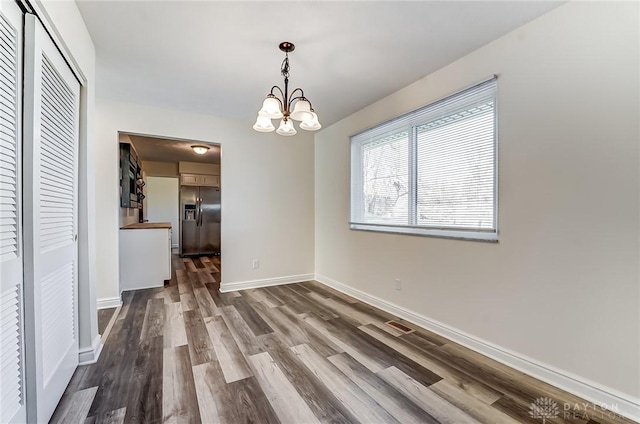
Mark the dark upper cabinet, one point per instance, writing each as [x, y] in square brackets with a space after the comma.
[130, 177]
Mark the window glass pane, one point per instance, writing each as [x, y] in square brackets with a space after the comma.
[385, 180]
[455, 170]
[431, 171]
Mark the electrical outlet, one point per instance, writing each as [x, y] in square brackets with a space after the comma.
[398, 284]
[256, 263]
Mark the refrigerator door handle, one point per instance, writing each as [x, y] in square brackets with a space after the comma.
[199, 212]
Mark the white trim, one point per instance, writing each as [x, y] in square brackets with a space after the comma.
[58, 40]
[109, 302]
[254, 284]
[90, 355]
[429, 232]
[591, 391]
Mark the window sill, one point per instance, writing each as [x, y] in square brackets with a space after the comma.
[489, 237]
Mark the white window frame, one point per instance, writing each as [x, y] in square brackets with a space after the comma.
[410, 121]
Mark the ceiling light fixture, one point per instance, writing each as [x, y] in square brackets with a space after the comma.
[275, 107]
[201, 150]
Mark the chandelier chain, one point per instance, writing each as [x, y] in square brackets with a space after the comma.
[284, 69]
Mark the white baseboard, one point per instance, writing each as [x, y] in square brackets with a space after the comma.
[109, 302]
[254, 284]
[620, 403]
[90, 355]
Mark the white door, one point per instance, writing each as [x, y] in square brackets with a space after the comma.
[162, 203]
[12, 404]
[50, 232]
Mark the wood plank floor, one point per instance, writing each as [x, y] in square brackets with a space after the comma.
[104, 316]
[298, 353]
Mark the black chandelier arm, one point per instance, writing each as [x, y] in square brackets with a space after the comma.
[281, 93]
[301, 96]
[310, 104]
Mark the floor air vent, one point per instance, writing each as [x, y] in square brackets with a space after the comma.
[400, 327]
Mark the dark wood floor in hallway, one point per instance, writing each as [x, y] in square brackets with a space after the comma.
[298, 353]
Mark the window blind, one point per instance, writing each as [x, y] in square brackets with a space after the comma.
[431, 171]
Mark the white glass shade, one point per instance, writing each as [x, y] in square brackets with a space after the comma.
[286, 128]
[301, 111]
[201, 150]
[271, 108]
[311, 124]
[263, 124]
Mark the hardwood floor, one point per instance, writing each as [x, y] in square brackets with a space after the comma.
[104, 316]
[298, 353]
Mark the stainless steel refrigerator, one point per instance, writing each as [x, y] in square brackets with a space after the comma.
[199, 220]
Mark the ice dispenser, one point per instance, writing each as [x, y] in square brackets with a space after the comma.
[190, 212]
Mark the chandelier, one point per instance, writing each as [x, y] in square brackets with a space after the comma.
[286, 107]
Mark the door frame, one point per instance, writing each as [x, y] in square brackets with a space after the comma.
[116, 146]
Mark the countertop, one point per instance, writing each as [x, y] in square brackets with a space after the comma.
[147, 225]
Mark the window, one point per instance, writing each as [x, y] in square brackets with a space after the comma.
[431, 171]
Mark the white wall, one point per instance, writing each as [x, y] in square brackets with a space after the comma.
[162, 203]
[267, 201]
[562, 285]
[64, 22]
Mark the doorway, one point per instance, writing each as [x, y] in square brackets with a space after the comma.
[159, 176]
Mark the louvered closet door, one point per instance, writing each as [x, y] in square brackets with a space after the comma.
[12, 405]
[50, 197]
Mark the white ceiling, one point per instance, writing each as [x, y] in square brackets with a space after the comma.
[171, 150]
[221, 58]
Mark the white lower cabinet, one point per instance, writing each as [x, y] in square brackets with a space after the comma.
[145, 257]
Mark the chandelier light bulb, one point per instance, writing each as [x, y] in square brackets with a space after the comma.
[271, 108]
[311, 124]
[263, 124]
[302, 110]
[286, 128]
